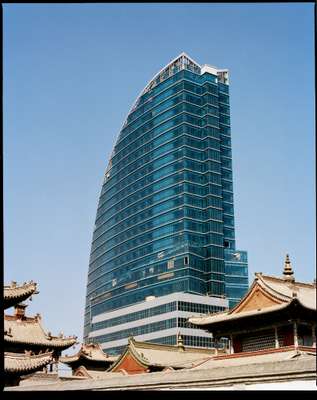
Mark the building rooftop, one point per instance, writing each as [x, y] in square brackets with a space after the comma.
[14, 294]
[29, 331]
[289, 369]
[91, 352]
[181, 62]
[267, 294]
[25, 363]
[83, 372]
[258, 357]
[161, 356]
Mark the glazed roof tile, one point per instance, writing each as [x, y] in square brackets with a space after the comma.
[15, 363]
[158, 355]
[92, 374]
[14, 294]
[30, 331]
[91, 352]
[226, 316]
[291, 371]
[284, 291]
[305, 292]
[265, 357]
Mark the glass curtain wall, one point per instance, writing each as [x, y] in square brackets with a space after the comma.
[165, 212]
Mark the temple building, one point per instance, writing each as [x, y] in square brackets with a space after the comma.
[28, 348]
[271, 345]
[276, 314]
[142, 357]
[88, 359]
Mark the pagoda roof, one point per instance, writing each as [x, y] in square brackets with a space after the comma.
[91, 352]
[15, 363]
[14, 294]
[29, 331]
[161, 356]
[267, 294]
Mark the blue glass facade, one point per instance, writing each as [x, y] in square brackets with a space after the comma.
[236, 269]
[165, 212]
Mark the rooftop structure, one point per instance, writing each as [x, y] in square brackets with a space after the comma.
[16, 364]
[86, 373]
[141, 357]
[277, 351]
[28, 348]
[21, 332]
[14, 294]
[275, 312]
[258, 357]
[288, 370]
[91, 357]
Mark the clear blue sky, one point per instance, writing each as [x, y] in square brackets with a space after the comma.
[71, 74]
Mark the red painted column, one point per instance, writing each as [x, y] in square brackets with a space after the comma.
[237, 345]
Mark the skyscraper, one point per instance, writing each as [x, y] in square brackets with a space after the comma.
[164, 240]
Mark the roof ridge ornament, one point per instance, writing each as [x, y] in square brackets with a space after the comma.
[288, 271]
[180, 343]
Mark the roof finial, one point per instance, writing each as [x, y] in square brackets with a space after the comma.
[288, 271]
[180, 343]
[20, 310]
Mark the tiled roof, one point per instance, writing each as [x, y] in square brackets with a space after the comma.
[14, 294]
[227, 316]
[91, 352]
[305, 292]
[295, 370]
[30, 331]
[158, 355]
[84, 372]
[282, 290]
[15, 363]
[259, 357]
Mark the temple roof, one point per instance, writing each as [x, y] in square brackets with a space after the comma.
[15, 363]
[278, 294]
[284, 289]
[289, 372]
[84, 372]
[260, 357]
[14, 294]
[161, 356]
[91, 352]
[29, 331]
